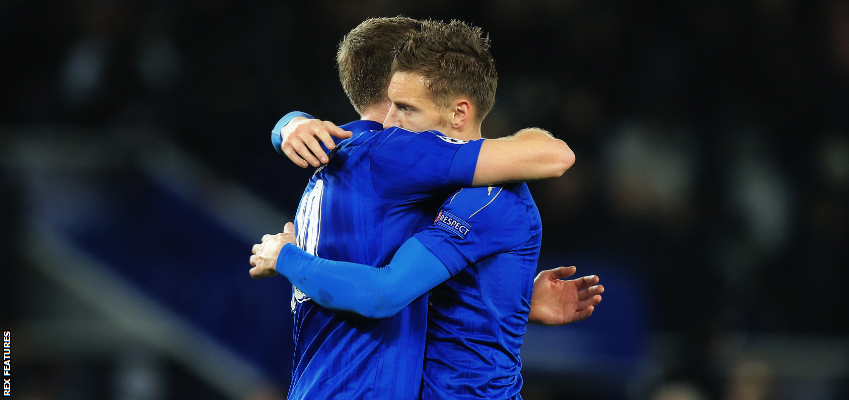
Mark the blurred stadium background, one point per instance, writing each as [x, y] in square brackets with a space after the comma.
[710, 192]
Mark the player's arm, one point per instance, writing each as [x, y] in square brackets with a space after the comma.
[428, 162]
[351, 287]
[528, 155]
[421, 164]
[414, 270]
[305, 139]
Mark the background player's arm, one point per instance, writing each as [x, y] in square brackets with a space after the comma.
[350, 287]
[528, 155]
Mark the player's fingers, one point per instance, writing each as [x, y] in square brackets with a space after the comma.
[253, 260]
[254, 272]
[336, 131]
[324, 135]
[306, 149]
[589, 302]
[312, 143]
[585, 282]
[293, 155]
[560, 272]
[590, 292]
[289, 228]
[583, 314]
[255, 248]
[325, 139]
[598, 289]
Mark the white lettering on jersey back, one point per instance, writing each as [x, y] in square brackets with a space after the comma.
[297, 297]
[308, 222]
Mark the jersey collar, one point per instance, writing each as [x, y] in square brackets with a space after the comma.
[362, 126]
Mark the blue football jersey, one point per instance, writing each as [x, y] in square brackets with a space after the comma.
[378, 189]
[489, 239]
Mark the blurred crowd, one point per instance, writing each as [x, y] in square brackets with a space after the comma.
[712, 138]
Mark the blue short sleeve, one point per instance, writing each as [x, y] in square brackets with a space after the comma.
[462, 170]
[422, 162]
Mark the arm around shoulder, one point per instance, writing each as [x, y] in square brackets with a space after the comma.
[556, 154]
[528, 155]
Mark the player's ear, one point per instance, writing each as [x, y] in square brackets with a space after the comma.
[462, 110]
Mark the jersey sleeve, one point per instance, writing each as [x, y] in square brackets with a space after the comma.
[474, 224]
[362, 289]
[406, 162]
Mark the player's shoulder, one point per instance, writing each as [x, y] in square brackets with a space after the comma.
[362, 131]
[495, 197]
[360, 126]
[483, 208]
[488, 193]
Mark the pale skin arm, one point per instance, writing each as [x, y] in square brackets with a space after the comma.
[528, 155]
[554, 301]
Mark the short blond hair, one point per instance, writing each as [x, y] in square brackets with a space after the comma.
[365, 55]
[455, 61]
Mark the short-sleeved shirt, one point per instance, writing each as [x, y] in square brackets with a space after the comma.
[489, 239]
[378, 189]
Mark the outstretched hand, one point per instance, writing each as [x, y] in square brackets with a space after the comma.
[264, 260]
[558, 302]
[302, 140]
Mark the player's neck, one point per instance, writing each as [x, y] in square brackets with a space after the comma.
[375, 112]
[467, 132]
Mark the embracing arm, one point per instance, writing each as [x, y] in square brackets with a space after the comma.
[528, 155]
[382, 292]
[357, 288]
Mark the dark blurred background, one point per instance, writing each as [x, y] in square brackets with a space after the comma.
[710, 192]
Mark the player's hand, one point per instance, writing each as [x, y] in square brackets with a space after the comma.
[302, 138]
[264, 260]
[558, 302]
